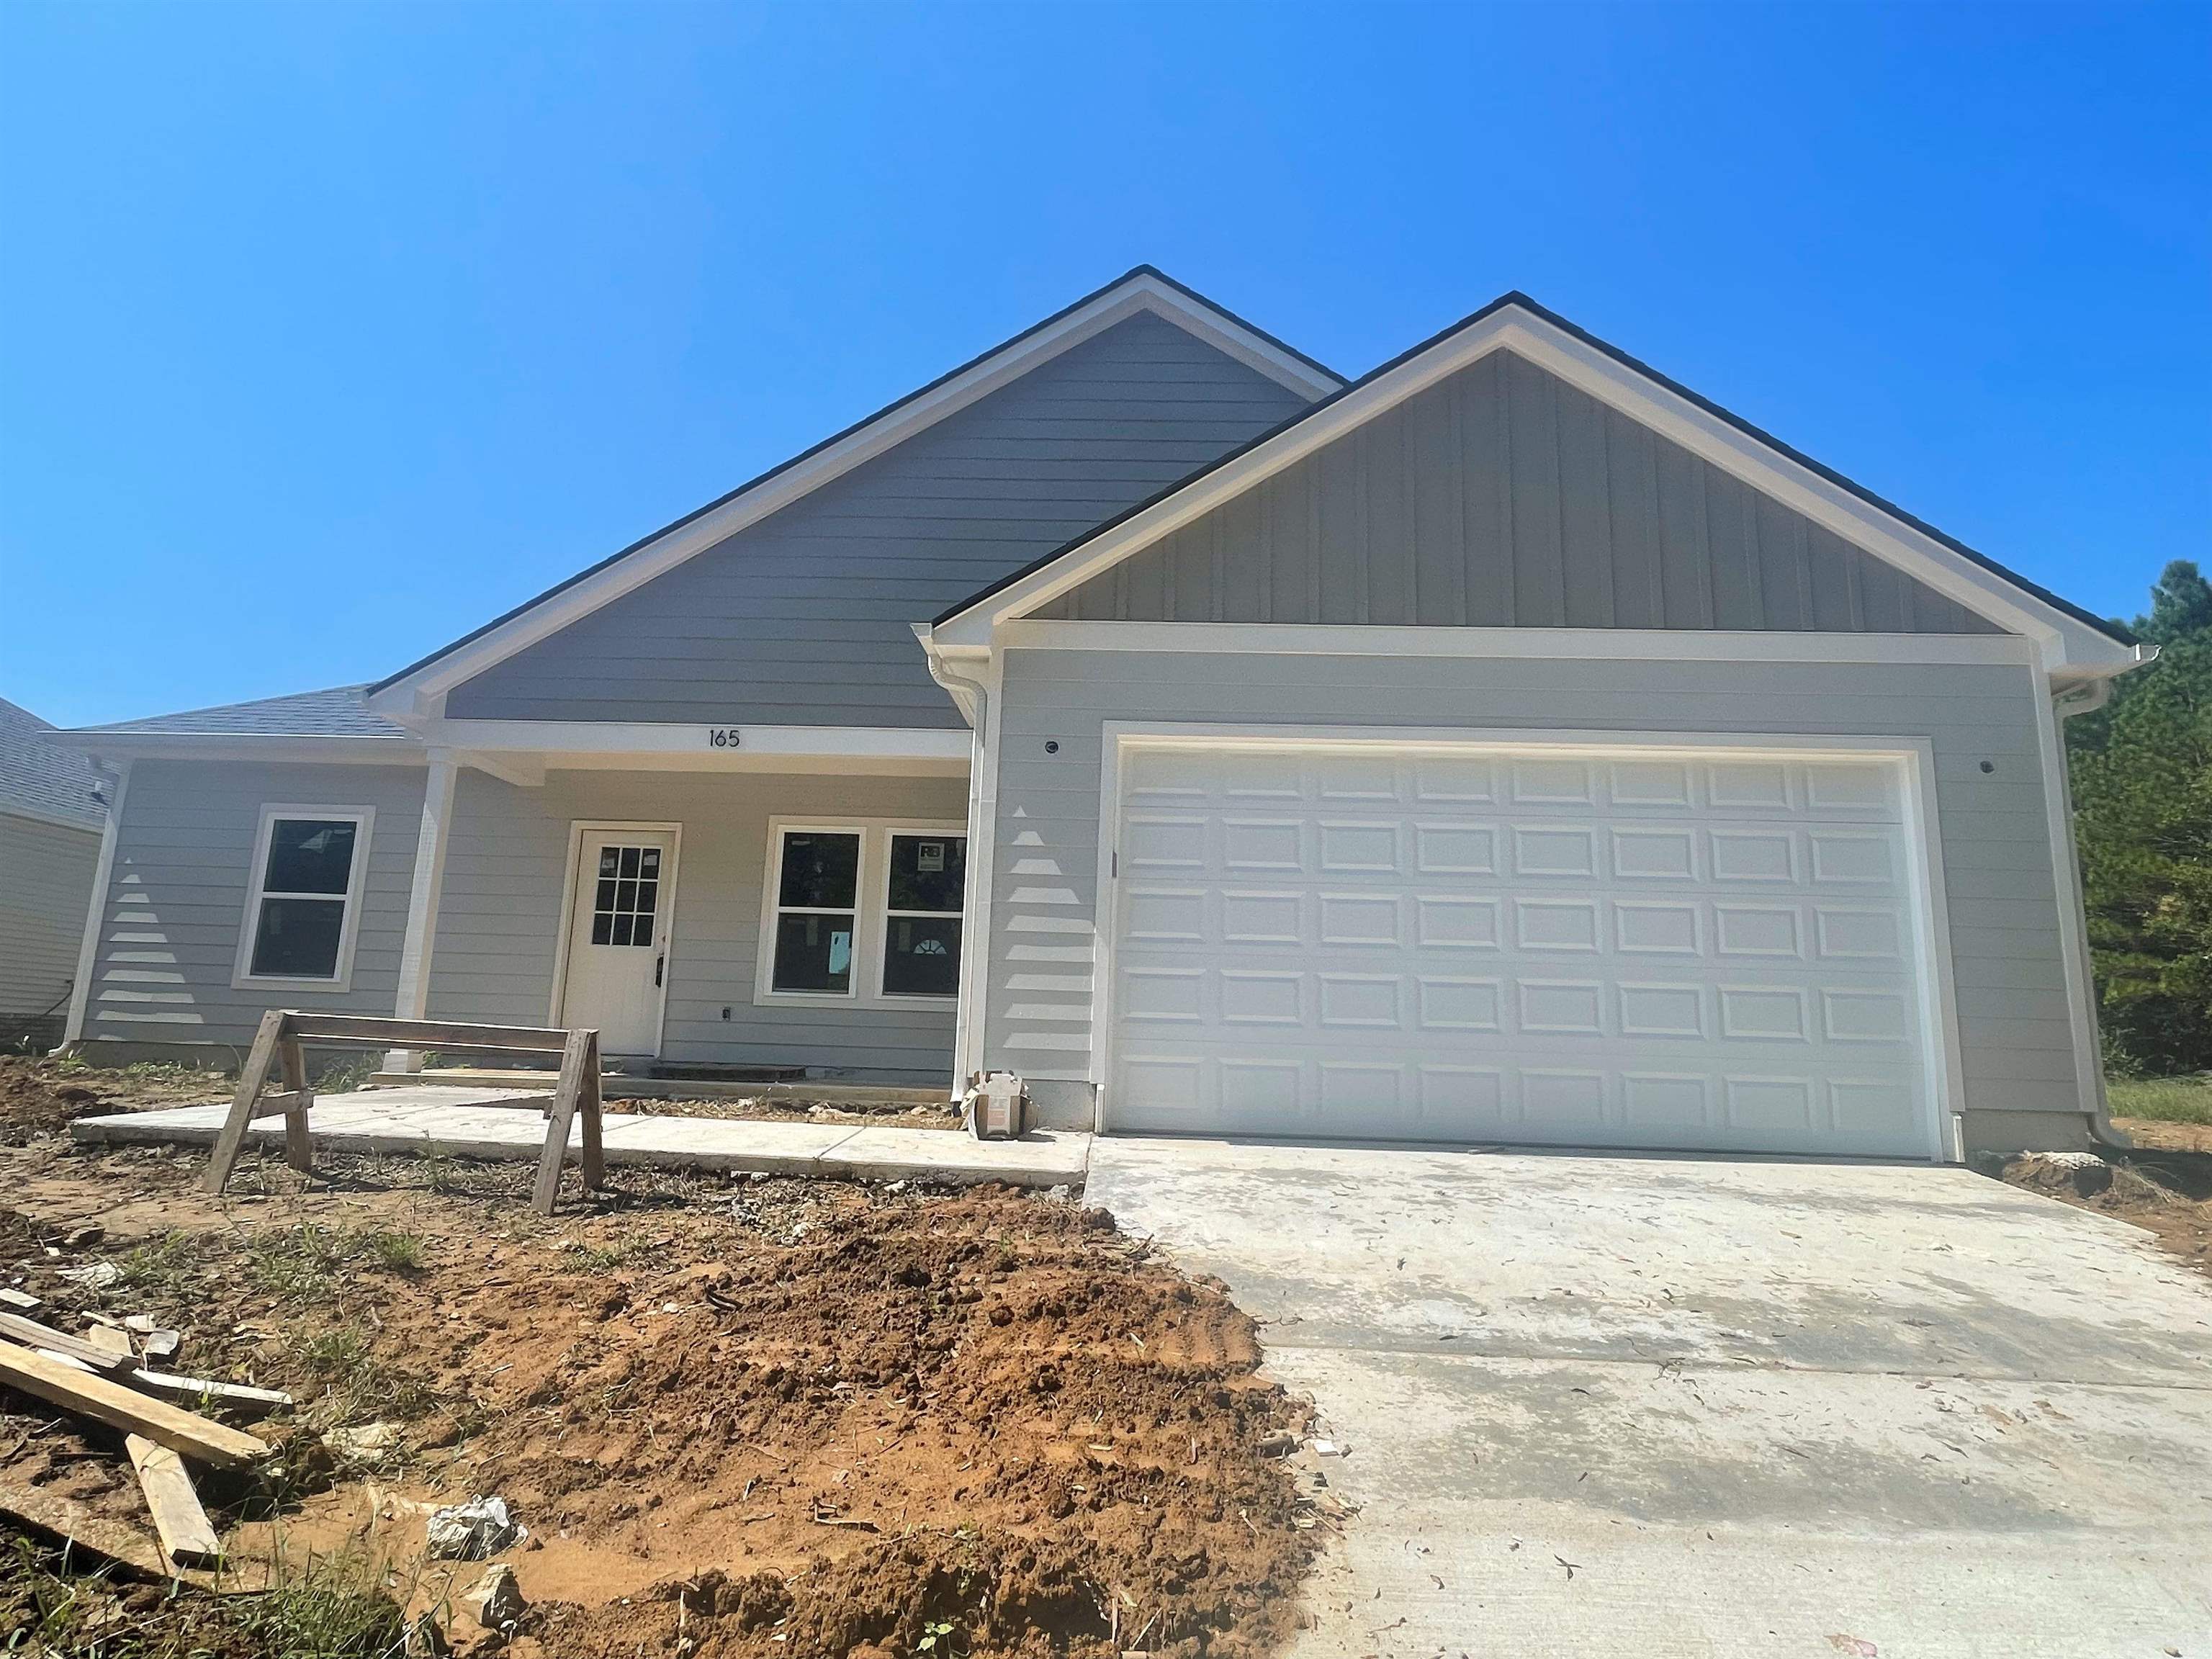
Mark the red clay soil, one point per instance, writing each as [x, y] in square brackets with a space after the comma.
[763, 1418]
[2164, 1189]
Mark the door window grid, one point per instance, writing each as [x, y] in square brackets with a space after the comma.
[627, 897]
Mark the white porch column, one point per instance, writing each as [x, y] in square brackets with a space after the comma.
[413, 1000]
[95, 915]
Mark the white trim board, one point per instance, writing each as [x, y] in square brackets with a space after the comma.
[2064, 642]
[1914, 758]
[1334, 640]
[1141, 291]
[95, 915]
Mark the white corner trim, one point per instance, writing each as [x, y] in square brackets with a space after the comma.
[103, 875]
[242, 974]
[2073, 909]
[2064, 640]
[1913, 757]
[1140, 293]
[1699, 645]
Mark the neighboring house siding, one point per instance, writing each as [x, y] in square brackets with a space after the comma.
[46, 883]
[1504, 497]
[176, 899]
[504, 905]
[1997, 853]
[805, 618]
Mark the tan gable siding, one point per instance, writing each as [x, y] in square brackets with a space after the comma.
[1504, 497]
[805, 618]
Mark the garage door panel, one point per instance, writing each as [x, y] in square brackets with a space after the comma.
[1629, 951]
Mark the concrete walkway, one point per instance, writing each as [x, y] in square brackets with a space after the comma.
[1668, 1407]
[463, 1122]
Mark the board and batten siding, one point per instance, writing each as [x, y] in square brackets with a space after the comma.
[505, 903]
[1504, 497]
[175, 903]
[805, 618]
[46, 883]
[2001, 888]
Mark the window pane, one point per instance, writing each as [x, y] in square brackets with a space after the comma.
[298, 939]
[927, 872]
[820, 871]
[813, 953]
[602, 929]
[309, 855]
[922, 958]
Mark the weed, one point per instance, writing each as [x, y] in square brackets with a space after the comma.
[401, 1252]
[163, 1264]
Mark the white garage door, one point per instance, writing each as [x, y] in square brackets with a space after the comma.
[1695, 950]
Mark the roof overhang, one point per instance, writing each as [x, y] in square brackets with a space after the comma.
[108, 747]
[2068, 643]
[416, 690]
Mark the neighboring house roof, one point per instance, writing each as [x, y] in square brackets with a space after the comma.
[1150, 518]
[1144, 287]
[42, 778]
[338, 712]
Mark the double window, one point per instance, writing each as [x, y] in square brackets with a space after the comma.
[863, 911]
[303, 901]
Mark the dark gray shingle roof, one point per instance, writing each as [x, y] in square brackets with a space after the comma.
[337, 713]
[43, 777]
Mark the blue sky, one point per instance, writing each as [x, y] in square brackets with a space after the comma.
[329, 331]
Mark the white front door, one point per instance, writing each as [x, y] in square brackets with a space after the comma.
[1468, 944]
[618, 937]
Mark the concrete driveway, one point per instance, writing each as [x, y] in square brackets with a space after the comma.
[1652, 1406]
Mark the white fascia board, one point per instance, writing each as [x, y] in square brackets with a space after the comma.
[2064, 642]
[559, 740]
[1140, 293]
[1617, 644]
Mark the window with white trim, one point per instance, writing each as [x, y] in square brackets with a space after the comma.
[867, 911]
[303, 906]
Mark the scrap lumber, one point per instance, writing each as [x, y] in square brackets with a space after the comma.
[32, 1335]
[238, 1395]
[70, 1520]
[185, 1532]
[109, 1339]
[21, 1301]
[127, 1409]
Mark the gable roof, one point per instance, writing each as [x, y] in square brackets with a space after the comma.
[1144, 288]
[41, 779]
[1515, 321]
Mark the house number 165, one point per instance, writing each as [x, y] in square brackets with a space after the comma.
[722, 737]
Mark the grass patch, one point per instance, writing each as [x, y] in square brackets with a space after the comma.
[163, 1264]
[2161, 1099]
[401, 1252]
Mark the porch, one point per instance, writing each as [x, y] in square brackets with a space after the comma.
[739, 917]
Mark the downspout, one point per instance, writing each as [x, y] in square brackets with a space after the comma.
[973, 698]
[2083, 698]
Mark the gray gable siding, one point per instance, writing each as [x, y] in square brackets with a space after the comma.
[1504, 497]
[805, 618]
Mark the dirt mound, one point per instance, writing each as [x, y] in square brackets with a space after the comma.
[775, 1417]
[2167, 1192]
[40, 1097]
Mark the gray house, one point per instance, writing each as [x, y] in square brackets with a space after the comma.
[1508, 746]
[51, 812]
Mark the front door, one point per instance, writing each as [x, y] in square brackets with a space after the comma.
[617, 937]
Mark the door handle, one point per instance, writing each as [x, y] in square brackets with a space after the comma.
[659, 962]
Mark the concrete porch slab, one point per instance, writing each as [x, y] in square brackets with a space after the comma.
[463, 1122]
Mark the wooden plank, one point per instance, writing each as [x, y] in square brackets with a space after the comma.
[235, 1394]
[128, 1410]
[581, 1047]
[588, 1102]
[251, 1081]
[299, 1149]
[32, 1335]
[72, 1522]
[272, 1105]
[185, 1533]
[21, 1301]
[441, 1034]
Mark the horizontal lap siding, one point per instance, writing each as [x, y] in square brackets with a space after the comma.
[176, 897]
[504, 905]
[46, 881]
[2002, 893]
[1504, 497]
[805, 618]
